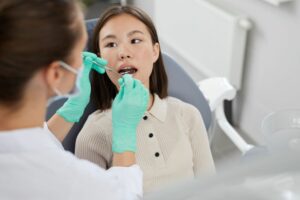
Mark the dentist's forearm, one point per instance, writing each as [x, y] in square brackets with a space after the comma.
[59, 126]
[125, 159]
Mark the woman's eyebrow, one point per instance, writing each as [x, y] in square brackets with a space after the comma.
[110, 36]
[134, 32]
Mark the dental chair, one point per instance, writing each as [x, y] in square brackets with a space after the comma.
[180, 86]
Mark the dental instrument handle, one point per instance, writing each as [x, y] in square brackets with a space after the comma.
[108, 68]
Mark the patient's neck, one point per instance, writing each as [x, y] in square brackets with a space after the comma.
[151, 101]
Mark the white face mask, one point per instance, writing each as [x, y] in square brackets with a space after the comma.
[75, 91]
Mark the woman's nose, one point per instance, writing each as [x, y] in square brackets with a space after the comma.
[125, 56]
[124, 53]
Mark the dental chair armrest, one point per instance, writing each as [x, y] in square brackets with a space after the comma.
[216, 90]
[230, 131]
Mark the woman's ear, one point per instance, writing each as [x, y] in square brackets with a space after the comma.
[54, 74]
[156, 50]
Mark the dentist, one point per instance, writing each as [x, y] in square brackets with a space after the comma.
[41, 43]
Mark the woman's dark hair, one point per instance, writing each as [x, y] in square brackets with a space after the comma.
[103, 90]
[33, 33]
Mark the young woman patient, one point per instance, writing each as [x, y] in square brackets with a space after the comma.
[172, 142]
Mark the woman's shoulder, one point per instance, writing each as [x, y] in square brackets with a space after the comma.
[99, 115]
[189, 115]
[98, 122]
[177, 104]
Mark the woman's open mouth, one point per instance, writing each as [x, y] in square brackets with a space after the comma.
[127, 70]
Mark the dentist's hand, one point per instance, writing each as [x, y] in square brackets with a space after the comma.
[128, 109]
[74, 107]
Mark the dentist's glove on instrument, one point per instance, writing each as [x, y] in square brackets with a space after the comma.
[74, 107]
[128, 108]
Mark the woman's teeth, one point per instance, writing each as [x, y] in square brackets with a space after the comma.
[127, 70]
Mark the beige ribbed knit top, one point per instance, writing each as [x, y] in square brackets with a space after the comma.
[172, 142]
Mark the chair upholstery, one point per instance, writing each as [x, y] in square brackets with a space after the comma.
[181, 86]
[184, 88]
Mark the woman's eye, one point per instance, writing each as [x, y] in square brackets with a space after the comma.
[135, 41]
[111, 44]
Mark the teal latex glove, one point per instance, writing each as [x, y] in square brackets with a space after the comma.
[74, 107]
[128, 109]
